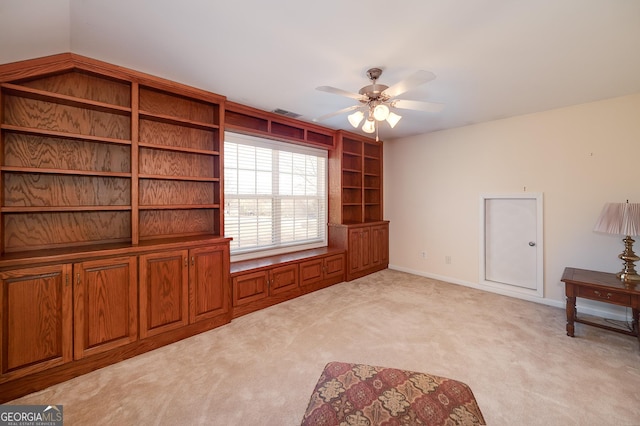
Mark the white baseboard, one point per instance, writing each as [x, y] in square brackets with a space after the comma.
[615, 312]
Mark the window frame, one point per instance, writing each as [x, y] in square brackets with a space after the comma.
[277, 248]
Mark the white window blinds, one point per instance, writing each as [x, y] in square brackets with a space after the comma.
[274, 195]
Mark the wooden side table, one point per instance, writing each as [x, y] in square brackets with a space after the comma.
[603, 287]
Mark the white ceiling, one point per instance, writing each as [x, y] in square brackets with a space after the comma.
[493, 58]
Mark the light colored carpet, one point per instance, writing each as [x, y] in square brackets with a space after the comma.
[262, 368]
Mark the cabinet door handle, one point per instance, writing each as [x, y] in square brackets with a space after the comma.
[186, 261]
[193, 260]
[78, 282]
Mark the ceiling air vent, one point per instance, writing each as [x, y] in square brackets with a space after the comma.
[286, 113]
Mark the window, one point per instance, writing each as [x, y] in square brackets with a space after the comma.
[274, 196]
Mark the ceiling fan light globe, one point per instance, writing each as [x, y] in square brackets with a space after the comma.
[355, 118]
[381, 112]
[369, 126]
[393, 119]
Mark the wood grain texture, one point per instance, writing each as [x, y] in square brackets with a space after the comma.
[164, 292]
[372, 166]
[22, 150]
[160, 192]
[167, 163]
[159, 102]
[283, 278]
[168, 134]
[311, 271]
[39, 190]
[30, 231]
[320, 138]
[244, 119]
[281, 129]
[372, 196]
[248, 288]
[105, 305]
[156, 223]
[31, 113]
[209, 292]
[334, 266]
[85, 85]
[36, 320]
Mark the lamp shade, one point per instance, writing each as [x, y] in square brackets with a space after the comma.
[393, 119]
[369, 126]
[381, 112]
[355, 118]
[619, 219]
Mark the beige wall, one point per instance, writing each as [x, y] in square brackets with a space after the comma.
[31, 29]
[579, 157]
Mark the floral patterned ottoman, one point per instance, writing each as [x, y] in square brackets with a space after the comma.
[357, 394]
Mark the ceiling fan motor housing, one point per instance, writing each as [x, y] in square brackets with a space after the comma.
[374, 92]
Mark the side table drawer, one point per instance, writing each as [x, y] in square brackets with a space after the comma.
[605, 296]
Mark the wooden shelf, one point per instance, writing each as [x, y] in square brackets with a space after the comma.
[64, 135]
[356, 166]
[164, 118]
[178, 149]
[189, 178]
[247, 120]
[63, 171]
[90, 192]
[41, 95]
[180, 206]
[63, 209]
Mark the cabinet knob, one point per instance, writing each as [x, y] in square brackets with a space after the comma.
[193, 260]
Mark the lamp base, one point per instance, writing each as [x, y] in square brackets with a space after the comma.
[628, 273]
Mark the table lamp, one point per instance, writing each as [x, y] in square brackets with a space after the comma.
[622, 219]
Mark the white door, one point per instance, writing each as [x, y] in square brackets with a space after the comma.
[512, 242]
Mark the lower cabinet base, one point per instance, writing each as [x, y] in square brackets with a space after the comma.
[260, 283]
[256, 305]
[355, 275]
[255, 285]
[25, 385]
[241, 310]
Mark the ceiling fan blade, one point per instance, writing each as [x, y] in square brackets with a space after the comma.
[417, 105]
[341, 92]
[414, 80]
[342, 111]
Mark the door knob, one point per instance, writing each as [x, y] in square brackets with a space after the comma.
[531, 244]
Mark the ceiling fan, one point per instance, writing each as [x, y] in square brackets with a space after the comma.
[376, 101]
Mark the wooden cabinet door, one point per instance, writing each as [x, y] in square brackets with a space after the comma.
[365, 248]
[164, 292]
[380, 245]
[334, 266]
[283, 278]
[105, 305]
[248, 288]
[359, 249]
[311, 271]
[355, 250]
[36, 320]
[208, 282]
